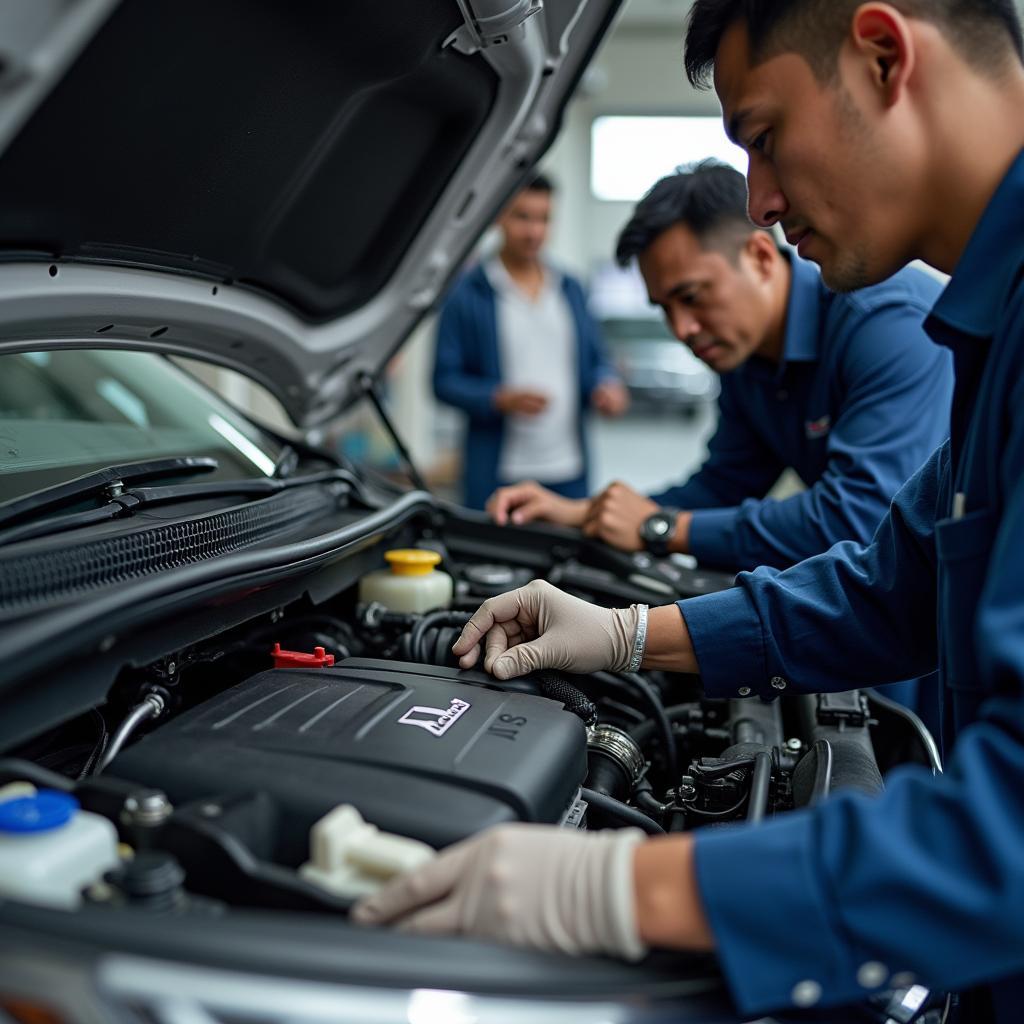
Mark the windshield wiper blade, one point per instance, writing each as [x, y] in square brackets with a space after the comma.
[257, 488]
[130, 500]
[107, 482]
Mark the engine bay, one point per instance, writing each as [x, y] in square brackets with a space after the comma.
[216, 763]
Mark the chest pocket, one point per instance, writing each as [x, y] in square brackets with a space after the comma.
[964, 549]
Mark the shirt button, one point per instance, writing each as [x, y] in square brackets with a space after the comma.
[744, 691]
[872, 974]
[778, 682]
[805, 993]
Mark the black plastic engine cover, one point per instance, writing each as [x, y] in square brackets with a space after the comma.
[420, 751]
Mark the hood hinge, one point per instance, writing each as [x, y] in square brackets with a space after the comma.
[478, 33]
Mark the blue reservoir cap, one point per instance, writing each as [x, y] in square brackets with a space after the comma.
[48, 809]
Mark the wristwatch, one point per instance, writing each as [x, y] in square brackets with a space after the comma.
[657, 531]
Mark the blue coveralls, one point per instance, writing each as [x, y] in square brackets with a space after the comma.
[858, 402]
[927, 879]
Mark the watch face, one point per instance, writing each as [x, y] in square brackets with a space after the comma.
[656, 526]
[657, 531]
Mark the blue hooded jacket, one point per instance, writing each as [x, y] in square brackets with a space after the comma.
[467, 372]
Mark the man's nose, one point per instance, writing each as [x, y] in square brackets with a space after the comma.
[684, 324]
[766, 203]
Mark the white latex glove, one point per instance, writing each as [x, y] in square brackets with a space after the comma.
[529, 885]
[539, 626]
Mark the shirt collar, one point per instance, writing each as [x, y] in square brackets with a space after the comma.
[502, 282]
[802, 340]
[499, 278]
[988, 269]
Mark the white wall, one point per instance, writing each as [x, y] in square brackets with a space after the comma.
[638, 71]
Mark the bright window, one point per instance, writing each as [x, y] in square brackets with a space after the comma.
[629, 154]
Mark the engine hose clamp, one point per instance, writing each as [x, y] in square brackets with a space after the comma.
[620, 747]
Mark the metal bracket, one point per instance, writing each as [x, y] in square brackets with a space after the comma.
[494, 30]
[842, 709]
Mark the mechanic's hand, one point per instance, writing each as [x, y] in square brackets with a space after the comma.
[528, 502]
[610, 398]
[520, 402]
[530, 885]
[616, 515]
[539, 626]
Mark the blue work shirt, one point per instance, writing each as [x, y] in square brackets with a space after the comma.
[858, 402]
[926, 879]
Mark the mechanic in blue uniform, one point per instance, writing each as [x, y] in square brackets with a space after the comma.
[847, 390]
[877, 132]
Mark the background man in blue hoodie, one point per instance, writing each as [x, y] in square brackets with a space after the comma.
[519, 353]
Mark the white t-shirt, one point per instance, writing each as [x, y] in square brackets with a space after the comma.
[538, 352]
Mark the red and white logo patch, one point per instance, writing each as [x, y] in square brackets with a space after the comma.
[818, 428]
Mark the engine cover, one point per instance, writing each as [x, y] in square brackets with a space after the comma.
[418, 750]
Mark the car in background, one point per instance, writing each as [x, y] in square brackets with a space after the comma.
[660, 372]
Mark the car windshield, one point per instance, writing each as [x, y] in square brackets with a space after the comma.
[67, 413]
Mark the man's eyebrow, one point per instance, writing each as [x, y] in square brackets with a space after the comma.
[682, 286]
[688, 284]
[735, 123]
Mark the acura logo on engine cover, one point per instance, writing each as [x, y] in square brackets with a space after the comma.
[435, 720]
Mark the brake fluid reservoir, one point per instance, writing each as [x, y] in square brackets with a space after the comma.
[50, 848]
[411, 584]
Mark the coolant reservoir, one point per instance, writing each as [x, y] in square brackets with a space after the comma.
[411, 584]
[50, 848]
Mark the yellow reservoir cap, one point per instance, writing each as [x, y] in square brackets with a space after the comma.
[412, 561]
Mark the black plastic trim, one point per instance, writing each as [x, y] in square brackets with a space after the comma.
[44, 578]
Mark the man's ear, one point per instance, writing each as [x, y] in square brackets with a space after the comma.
[881, 36]
[761, 253]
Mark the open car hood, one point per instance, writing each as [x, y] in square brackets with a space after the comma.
[282, 188]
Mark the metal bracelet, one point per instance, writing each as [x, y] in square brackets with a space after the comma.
[640, 641]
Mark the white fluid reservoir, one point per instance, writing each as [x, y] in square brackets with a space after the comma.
[411, 584]
[50, 848]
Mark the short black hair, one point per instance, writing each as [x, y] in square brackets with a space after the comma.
[538, 182]
[979, 29]
[710, 198]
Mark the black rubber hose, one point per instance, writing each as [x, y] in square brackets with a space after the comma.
[15, 770]
[642, 733]
[622, 812]
[664, 726]
[759, 787]
[608, 708]
[442, 617]
[649, 802]
[823, 772]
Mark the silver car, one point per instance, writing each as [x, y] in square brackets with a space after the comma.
[193, 676]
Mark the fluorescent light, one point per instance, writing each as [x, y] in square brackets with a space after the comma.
[629, 154]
